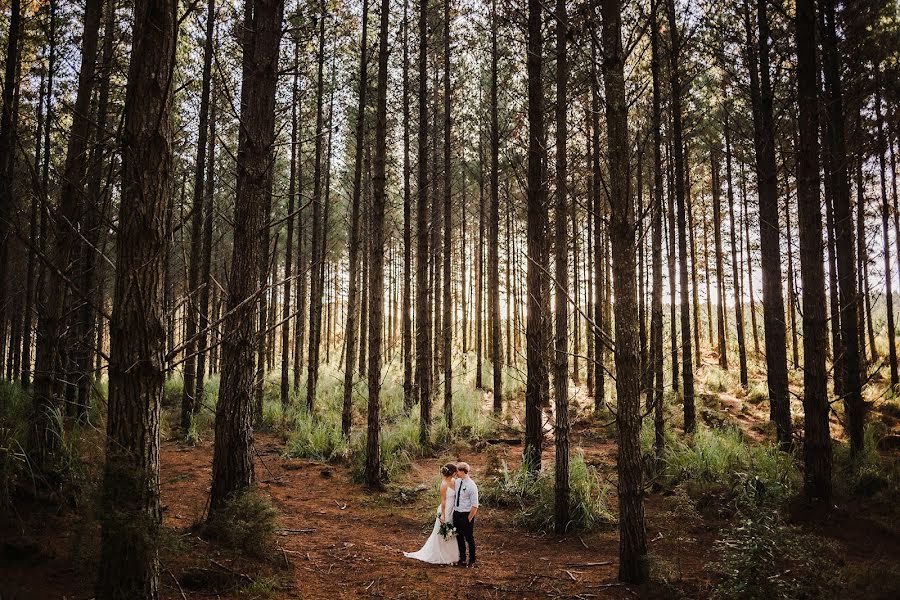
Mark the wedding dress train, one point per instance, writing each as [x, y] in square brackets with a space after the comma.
[437, 550]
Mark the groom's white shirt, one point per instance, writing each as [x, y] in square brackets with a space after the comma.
[467, 493]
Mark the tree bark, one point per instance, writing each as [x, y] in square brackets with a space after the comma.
[191, 307]
[423, 291]
[447, 319]
[131, 515]
[885, 239]
[494, 227]
[851, 383]
[561, 306]
[376, 260]
[633, 566]
[817, 438]
[350, 333]
[232, 469]
[316, 257]
[678, 153]
[536, 194]
[770, 245]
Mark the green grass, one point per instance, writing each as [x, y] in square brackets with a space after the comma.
[14, 409]
[735, 469]
[534, 496]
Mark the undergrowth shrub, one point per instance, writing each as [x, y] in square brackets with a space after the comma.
[14, 407]
[761, 558]
[721, 469]
[534, 495]
[317, 439]
[246, 522]
[868, 473]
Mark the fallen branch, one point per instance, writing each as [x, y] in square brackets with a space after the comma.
[590, 564]
[175, 579]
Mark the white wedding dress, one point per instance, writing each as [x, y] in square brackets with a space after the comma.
[437, 550]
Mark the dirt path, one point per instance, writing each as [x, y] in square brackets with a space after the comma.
[355, 547]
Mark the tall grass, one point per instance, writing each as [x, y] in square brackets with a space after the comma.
[14, 407]
[722, 457]
[534, 496]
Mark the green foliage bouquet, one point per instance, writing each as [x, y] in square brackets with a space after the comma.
[447, 530]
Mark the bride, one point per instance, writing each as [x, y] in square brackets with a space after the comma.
[437, 550]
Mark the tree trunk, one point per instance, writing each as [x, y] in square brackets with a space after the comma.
[406, 313]
[52, 358]
[289, 242]
[672, 251]
[885, 239]
[720, 263]
[656, 309]
[851, 383]
[350, 332]
[376, 260]
[596, 185]
[536, 194]
[817, 438]
[206, 268]
[423, 291]
[233, 451]
[447, 319]
[737, 278]
[678, 152]
[633, 566]
[8, 142]
[770, 245]
[316, 258]
[191, 307]
[131, 517]
[561, 305]
[494, 227]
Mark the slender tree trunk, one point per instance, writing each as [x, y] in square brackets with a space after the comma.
[817, 438]
[350, 333]
[751, 293]
[289, 242]
[720, 263]
[406, 312]
[851, 381]
[597, 184]
[770, 245]
[131, 518]
[191, 306]
[672, 251]
[737, 277]
[376, 260]
[633, 567]
[233, 451]
[206, 268]
[678, 152]
[656, 309]
[316, 258]
[479, 276]
[885, 211]
[32, 267]
[8, 142]
[536, 359]
[423, 291]
[561, 306]
[447, 319]
[52, 357]
[494, 234]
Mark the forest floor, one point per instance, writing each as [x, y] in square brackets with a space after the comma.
[337, 539]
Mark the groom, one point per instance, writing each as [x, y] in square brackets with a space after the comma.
[464, 512]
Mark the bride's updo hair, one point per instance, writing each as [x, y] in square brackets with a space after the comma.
[448, 469]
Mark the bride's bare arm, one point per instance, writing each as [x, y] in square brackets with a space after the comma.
[443, 500]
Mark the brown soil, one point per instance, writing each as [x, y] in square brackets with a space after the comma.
[339, 540]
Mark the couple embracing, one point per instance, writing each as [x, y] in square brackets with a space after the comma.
[455, 518]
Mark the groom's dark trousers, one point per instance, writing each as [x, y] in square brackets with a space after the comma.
[464, 535]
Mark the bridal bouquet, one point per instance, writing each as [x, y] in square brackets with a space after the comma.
[447, 530]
